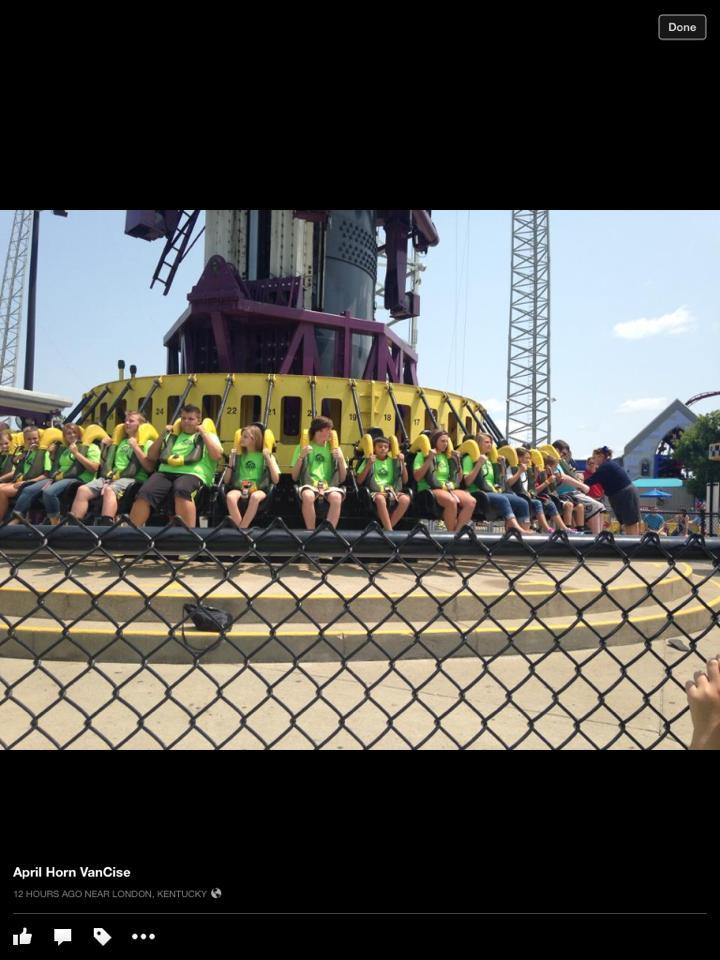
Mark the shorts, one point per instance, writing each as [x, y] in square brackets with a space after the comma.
[118, 486]
[389, 493]
[183, 485]
[592, 507]
[626, 505]
[322, 493]
[248, 494]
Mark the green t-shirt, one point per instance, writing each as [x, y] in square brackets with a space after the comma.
[30, 459]
[67, 459]
[468, 467]
[486, 470]
[248, 467]
[124, 454]
[383, 472]
[319, 465]
[203, 468]
[441, 469]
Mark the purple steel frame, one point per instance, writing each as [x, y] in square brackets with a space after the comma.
[10, 410]
[221, 296]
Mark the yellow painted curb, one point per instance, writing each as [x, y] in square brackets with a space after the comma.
[287, 631]
[172, 592]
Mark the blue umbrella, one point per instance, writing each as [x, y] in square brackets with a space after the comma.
[656, 493]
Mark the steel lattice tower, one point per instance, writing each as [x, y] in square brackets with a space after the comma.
[528, 380]
[11, 296]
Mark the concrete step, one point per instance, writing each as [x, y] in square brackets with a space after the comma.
[300, 595]
[370, 640]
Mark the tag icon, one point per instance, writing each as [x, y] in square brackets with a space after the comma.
[102, 936]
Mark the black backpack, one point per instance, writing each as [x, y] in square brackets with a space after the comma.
[207, 618]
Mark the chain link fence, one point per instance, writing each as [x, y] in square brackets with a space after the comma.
[346, 640]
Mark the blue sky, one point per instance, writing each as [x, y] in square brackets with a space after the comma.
[635, 311]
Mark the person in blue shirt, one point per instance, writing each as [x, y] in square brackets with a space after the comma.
[654, 521]
[619, 490]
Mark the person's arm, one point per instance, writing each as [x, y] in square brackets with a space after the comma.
[22, 481]
[272, 466]
[45, 475]
[513, 478]
[47, 472]
[427, 464]
[457, 459]
[403, 468]
[339, 459]
[143, 455]
[153, 453]
[92, 465]
[470, 477]
[568, 478]
[367, 466]
[228, 472]
[301, 454]
[601, 474]
[546, 484]
[212, 444]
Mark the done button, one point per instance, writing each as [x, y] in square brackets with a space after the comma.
[682, 26]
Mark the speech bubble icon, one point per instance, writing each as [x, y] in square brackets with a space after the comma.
[62, 936]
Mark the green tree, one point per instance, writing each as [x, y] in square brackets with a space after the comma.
[692, 450]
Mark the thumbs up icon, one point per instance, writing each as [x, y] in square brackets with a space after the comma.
[23, 937]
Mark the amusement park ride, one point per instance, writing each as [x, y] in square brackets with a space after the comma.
[280, 328]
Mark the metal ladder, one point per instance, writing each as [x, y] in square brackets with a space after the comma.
[176, 249]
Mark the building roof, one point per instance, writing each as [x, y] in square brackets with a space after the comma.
[16, 402]
[658, 482]
[677, 406]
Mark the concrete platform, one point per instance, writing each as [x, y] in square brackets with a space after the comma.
[557, 685]
[248, 707]
[466, 608]
[465, 592]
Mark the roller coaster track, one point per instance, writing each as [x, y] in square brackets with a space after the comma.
[702, 396]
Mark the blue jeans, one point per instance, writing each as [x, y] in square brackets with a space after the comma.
[547, 506]
[507, 504]
[29, 493]
[51, 496]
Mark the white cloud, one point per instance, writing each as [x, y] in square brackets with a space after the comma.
[681, 321]
[642, 405]
[493, 406]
